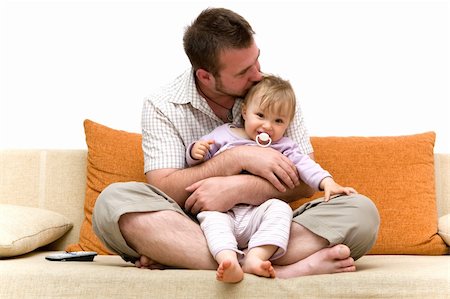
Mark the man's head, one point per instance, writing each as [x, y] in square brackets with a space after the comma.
[212, 32]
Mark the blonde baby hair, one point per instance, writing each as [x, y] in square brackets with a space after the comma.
[275, 95]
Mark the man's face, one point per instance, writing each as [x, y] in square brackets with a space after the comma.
[240, 70]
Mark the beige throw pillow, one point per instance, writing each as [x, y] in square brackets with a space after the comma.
[23, 229]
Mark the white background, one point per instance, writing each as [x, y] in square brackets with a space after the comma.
[360, 68]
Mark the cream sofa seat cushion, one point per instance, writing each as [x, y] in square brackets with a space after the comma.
[378, 276]
[23, 229]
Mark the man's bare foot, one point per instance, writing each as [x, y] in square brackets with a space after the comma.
[229, 272]
[145, 263]
[254, 265]
[335, 259]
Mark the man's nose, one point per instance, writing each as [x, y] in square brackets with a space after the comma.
[256, 74]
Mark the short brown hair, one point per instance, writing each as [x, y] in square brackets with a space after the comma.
[213, 31]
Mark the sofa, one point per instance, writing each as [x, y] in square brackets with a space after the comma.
[45, 209]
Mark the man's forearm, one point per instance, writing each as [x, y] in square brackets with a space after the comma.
[173, 182]
[231, 162]
[256, 190]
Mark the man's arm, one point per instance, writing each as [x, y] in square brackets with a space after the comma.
[232, 190]
[275, 170]
[222, 193]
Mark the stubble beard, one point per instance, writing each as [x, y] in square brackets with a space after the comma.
[219, 88]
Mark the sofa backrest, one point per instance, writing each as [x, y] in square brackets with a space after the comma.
[56, 180]
[442, 178]
[48, 179]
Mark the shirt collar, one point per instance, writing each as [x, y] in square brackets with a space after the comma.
[187, 93]
[187, 89]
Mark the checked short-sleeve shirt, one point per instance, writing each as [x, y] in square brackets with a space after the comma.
[176, 115]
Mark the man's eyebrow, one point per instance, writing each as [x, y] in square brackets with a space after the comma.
[247, 68]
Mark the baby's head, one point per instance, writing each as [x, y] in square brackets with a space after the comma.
[273, 94]
[269, 107]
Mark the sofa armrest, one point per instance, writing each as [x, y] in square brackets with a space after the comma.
[444, 228]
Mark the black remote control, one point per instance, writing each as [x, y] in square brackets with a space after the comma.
[76, 256]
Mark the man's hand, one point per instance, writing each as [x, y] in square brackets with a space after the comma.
[213, 194]
[269, 164]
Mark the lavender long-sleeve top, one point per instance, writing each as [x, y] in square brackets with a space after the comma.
[310, 172]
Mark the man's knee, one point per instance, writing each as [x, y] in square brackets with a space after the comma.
[368, 212]
[127, 223]
[367, 222]
[115, 190]
[104, 214]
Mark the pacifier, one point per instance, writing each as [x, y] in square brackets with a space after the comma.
[263, 139]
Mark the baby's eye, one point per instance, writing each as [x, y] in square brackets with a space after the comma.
[259, 114]
[279, 121]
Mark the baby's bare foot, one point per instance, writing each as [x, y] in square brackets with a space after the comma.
[254, 265]
[229, 272]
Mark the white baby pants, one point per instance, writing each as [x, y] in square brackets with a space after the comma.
[247, 226]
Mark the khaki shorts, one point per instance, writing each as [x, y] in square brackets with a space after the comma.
[120, 198]
[350, 220]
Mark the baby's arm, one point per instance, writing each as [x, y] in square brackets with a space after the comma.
[200, 148]
[331, 188]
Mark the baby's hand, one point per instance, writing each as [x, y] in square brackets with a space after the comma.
[200, 148]
[332, 188]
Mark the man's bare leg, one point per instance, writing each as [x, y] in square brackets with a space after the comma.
[166, 238]
[309, 254]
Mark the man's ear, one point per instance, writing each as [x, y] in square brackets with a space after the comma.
[203, 76]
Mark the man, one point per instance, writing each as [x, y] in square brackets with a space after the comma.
[152, 224]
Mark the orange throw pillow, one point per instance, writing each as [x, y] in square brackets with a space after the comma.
[397, 173]
[113, 156]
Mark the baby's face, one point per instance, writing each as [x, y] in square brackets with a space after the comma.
[258, 121]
